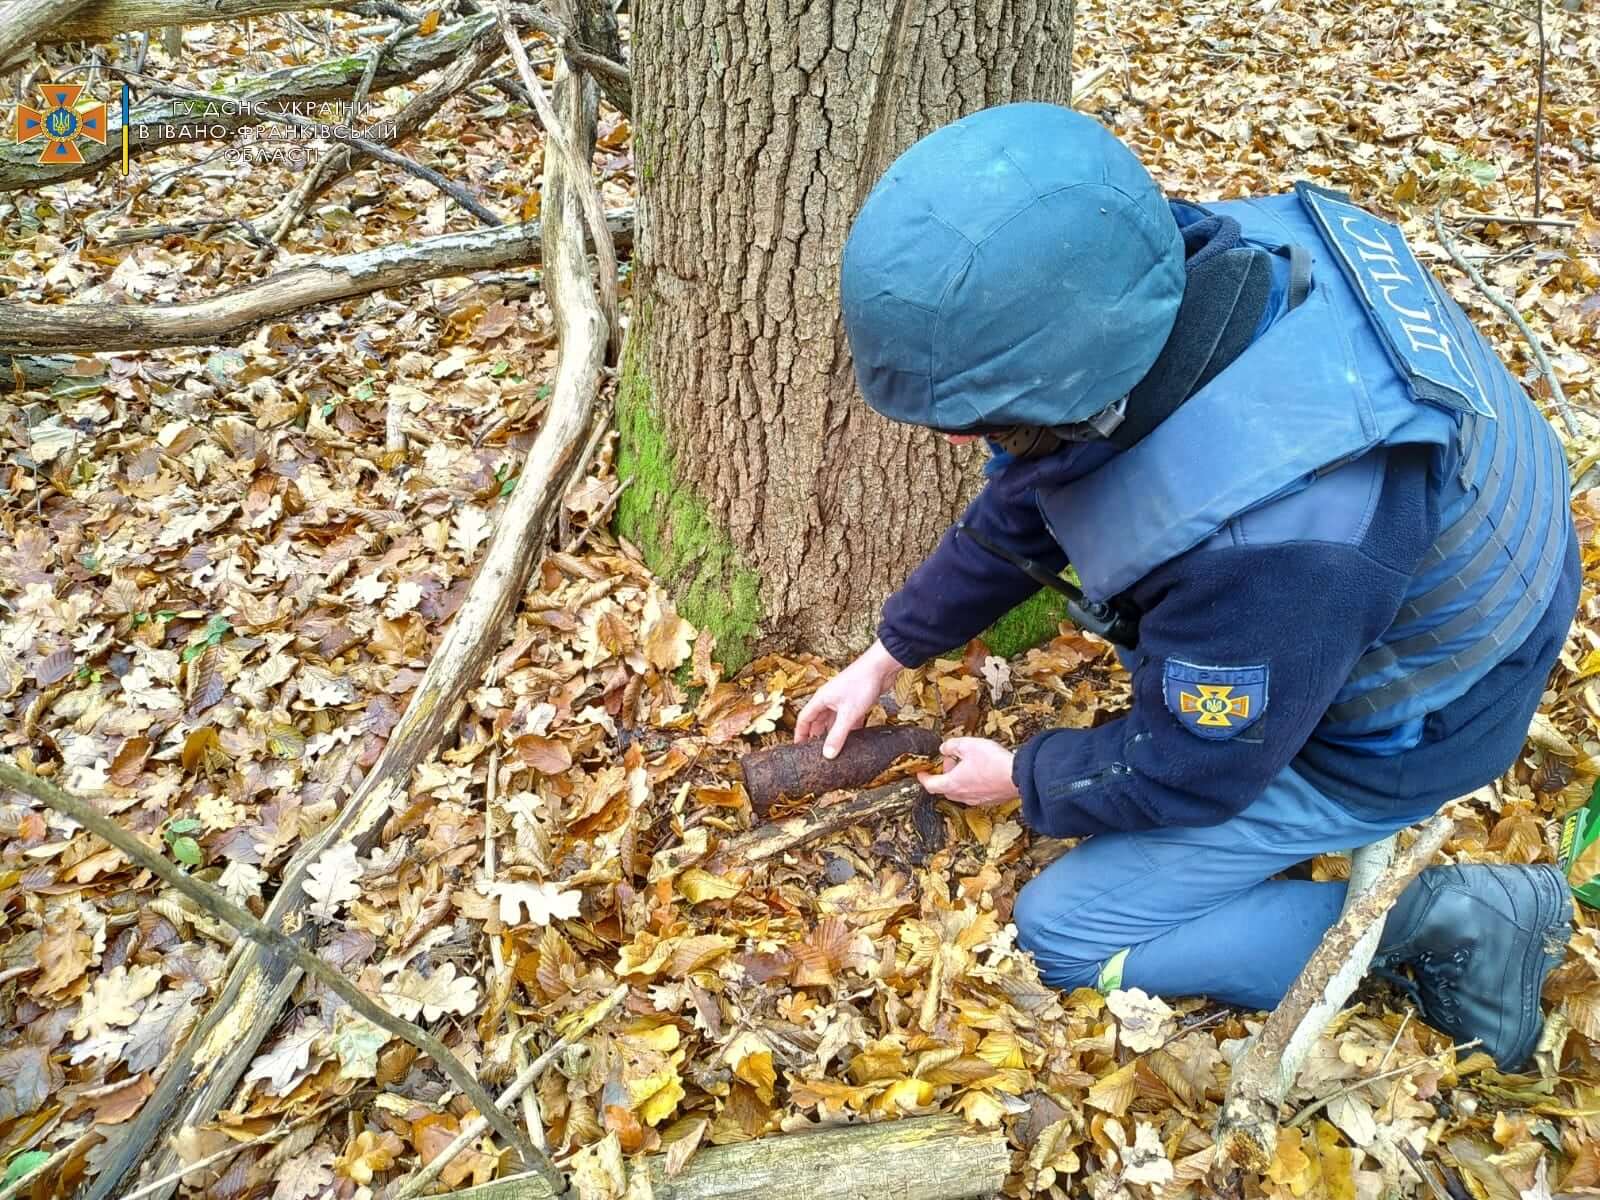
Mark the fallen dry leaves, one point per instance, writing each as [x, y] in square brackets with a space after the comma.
[219, 591]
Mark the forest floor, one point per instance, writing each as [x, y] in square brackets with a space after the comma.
[218, 591]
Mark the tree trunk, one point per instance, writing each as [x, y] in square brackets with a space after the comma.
[780, 509]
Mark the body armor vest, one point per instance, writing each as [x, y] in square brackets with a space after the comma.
[1377, 354]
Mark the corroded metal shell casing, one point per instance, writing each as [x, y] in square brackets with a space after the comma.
[800, 770]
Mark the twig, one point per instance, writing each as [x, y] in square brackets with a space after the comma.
[519, 1056]
[218, 905]
[1418, 1164]
[300, 198]
[1478, 218]
[582, 180]
[454, 190]
[599, 517]
[226, 1152]
[203, 226]
[1322, 1102]
[1504, 305]
[1538, 120]
[1395, 1041]
[474, 1128]
[25, 1181]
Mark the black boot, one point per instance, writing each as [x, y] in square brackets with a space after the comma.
[1479, 942]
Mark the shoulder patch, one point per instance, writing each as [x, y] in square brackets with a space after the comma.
[1214, 702]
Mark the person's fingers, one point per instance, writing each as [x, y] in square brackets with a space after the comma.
[806, 724]
[843, 722]
[935, 785]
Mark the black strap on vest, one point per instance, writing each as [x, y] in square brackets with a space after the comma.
[1299, 275]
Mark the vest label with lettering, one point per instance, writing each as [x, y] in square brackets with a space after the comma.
[1399, 299]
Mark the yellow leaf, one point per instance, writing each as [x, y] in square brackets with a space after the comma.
[1114, 1092]
[646, 954]
[698, 885]
[1001, 1049]
[663, 1102]
[428, 23]
[751, 1060]
[662, 1038]
[905, 1095]
[981, 1109]
[1317, 1167]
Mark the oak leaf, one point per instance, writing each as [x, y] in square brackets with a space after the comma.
[331, 881]
[544, 902]
[409, 993]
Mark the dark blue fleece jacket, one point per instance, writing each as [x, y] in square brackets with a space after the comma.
[1306, 609]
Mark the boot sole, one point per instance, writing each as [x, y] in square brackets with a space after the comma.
[1552, 929]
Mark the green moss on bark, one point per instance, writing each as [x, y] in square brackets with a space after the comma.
[1031, 623]
[673, 528]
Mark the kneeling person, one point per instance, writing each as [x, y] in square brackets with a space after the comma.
[1331, 525]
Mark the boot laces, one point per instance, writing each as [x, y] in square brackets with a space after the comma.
[1435, 982]
[1440, 979]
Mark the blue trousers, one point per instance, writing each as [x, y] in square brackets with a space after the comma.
[1195, 908]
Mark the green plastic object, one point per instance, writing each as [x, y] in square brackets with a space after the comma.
[1579, 831]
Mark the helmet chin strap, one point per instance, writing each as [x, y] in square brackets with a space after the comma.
[1035, 441]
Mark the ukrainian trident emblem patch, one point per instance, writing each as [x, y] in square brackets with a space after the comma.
[1215, 702]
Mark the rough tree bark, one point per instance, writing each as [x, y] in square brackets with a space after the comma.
[776, 504]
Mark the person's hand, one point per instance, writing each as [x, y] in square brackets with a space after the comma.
[843, 703]
[977, 772]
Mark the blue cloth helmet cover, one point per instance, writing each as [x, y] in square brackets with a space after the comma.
[1016, 267]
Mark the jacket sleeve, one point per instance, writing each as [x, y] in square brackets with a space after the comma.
[1306, 611]
[961, 589]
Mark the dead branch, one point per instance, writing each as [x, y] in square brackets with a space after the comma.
[596, 50]
[778, 837]
[916, 1158]
[103, 19]
[341, 161]
[373, 149]
[1494, 297]
[1478, 218]
[1367, 866]
[25, 373]
[28, 328]
[581, 173]
[215, 902]
[163, 122]
[29, 20]
[529, 1075]
[206, 1071]
[1247, 1131]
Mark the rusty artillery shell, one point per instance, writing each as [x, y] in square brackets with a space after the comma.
[800, 770]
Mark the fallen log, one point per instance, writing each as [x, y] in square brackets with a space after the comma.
[27, 21]
[1247, 1130]
[207, 1069]
[595, 48]
[99, 20]
[918, 1158]
[27, 328]
[26, 373]
[155, 123]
